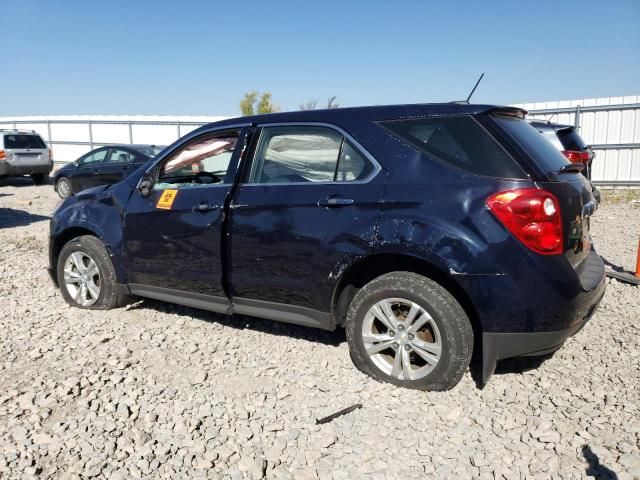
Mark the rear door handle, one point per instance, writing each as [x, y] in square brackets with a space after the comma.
[335, 202]
[204, 207]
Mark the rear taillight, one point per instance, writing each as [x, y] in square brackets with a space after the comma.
[575, 156]
[2, 155]
[50, 155]
[532, 216]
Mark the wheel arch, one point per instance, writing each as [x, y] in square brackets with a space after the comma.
[363, 271]
[65, 237]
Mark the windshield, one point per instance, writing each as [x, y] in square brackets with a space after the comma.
[571, 140]
[150, 150]
[546, 156]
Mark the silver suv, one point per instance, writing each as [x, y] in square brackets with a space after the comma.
[24, 153]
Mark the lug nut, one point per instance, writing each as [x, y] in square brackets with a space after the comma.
[395, 345]
[401, 327]
[407, 347]
[392, 333]
[411, 336]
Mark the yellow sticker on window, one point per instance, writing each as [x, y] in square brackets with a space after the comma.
[166, 199]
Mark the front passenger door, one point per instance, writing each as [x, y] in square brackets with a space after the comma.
[173, 237]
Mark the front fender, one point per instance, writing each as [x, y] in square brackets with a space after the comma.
[98, 211]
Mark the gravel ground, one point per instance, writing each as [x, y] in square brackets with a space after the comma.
[156, 391]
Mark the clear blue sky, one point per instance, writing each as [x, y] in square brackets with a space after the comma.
[199, 57]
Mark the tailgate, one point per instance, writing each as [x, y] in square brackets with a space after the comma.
[577, 205]
[24, 157]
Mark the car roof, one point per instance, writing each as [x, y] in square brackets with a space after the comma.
[130, 146]
[372, 113]
[13, 131]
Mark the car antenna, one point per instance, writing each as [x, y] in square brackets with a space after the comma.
[474, 88]
[551, 117]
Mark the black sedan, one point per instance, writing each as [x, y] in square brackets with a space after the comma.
[102, 166]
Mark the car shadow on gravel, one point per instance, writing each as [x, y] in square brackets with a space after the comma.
[18, 218]
[508, 366]
[242, 322]
[21, 182]
[595, 468]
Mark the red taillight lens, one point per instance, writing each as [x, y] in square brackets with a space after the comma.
[532, 216]
[50, 155]
[2, 155]
[575, 156]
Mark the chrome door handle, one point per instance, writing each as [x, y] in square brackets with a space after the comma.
[204, 207]
[330, 202]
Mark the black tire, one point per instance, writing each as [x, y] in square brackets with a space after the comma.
[63, 187]
[39, 178]
[110, 295]
[455, 332]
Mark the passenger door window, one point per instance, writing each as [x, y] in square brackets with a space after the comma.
[93, 159]
[121, 156]
[201, 162]
[300, 154]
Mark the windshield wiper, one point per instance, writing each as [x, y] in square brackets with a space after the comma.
[570, 168]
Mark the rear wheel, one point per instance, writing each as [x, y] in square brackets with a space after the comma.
[39, 178]
[86, 275]
[63, 187]
[406, 329]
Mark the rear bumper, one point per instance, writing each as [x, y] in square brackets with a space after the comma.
[497, 346]
[16, 170]
[535, 309]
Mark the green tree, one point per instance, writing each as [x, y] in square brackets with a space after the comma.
[253, 103]
[247, 104]
[265, 105]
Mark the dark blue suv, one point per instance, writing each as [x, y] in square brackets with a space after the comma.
[426, 231]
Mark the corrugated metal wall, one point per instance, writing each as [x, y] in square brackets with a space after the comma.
[611, 125]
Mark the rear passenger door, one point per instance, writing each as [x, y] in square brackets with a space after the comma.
[308, 201]
[117, 166]
[89, 166]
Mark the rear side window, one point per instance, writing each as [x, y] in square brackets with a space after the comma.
[23, 141]
[303, 154]
[546, 156]
[459, 141]
[571, 140]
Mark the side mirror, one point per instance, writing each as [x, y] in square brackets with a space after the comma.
[145, 187]
[76, 164]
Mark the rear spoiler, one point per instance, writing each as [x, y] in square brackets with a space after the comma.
[509, 111]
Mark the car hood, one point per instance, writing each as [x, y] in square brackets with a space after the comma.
[91, 192]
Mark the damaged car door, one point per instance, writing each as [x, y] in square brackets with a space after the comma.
[308, 201]
[173, 233]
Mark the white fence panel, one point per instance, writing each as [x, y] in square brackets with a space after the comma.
[610, 125]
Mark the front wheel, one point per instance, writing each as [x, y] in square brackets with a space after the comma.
[86, 275]
[406, 329]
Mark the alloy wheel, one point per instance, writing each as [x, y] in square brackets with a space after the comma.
[401, 339]
[82, 278]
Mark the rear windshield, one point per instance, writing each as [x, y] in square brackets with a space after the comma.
[23, 141]
[546, 156]
[571, 140]
[459, 141]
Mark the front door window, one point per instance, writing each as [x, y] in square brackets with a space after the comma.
[200, 163]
